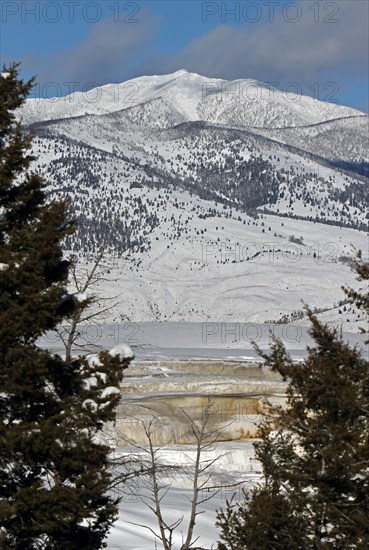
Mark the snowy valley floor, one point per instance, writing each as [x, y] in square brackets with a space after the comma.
[237, 465]
[190, 369]
[164, 392]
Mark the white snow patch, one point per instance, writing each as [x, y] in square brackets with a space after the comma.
[90, 403]
[81, 296]
[90, 382]
[110, 390]
[123, 350]
[102, 376]
[93, 360]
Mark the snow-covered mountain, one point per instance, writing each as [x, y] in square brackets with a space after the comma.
[171, 167]
[190, 97]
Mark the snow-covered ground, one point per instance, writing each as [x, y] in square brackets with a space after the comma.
[235, 470]
[189, 367]
[203, 279]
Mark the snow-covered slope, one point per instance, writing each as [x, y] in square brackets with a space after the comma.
[344, 141]
[192, 97]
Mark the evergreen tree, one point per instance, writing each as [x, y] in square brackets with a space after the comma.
[54, 472]
[314, 451]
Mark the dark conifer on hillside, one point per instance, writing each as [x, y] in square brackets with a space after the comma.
[314, 452]
[54, 475]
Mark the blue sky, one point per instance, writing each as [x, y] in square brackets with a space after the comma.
[314, 47]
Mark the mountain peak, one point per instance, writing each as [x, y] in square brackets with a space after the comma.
[181, 72]
[193, 97]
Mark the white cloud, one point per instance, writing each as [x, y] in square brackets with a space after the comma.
[108, 50]
[280, 51]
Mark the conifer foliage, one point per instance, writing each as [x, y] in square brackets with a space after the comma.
[54, 475]
[314, 452]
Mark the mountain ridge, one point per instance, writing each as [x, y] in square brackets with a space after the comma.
[163, 188]
[199, 98]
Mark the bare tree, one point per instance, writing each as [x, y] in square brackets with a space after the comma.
[200, 473]
[90, 306]
[158, 492]
[133, 467]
